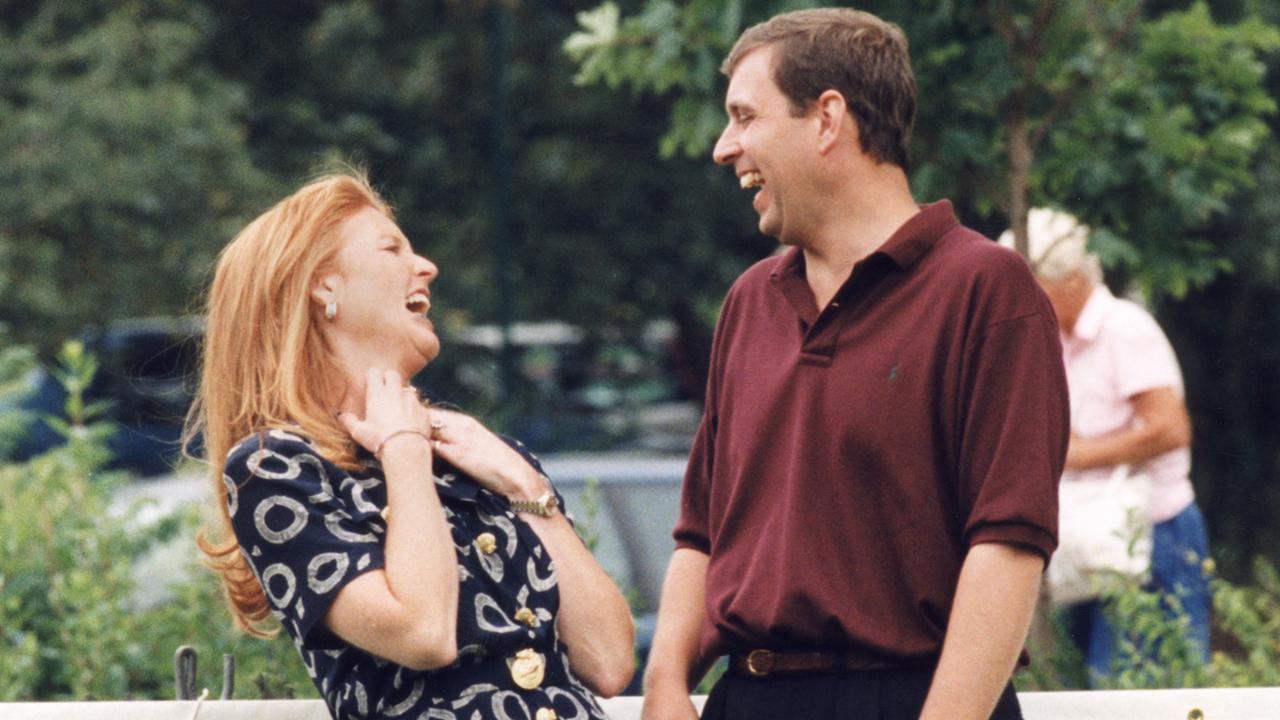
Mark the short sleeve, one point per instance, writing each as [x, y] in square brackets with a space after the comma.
[1014, 434]
[305, 525]
[693, 527]
[1141, 354]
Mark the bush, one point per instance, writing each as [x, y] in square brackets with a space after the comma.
[1155, 651]
[70, 624]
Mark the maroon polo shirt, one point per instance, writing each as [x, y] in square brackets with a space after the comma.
[849, 458]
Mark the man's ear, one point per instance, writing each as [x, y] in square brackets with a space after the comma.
[834, 119]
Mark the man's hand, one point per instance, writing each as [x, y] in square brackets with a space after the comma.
[669, 702]
[675, 664]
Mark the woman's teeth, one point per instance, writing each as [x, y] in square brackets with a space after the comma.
[418, 303]
[750, 180]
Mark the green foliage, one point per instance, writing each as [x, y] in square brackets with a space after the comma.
[1155, 652]
[1250, 617]
[1175, 125]
[650, 51]
[195, 614]
[16, 362]
[72, 624]
[117, 143]
[1144, 133]
[587, 517]
[63, 593]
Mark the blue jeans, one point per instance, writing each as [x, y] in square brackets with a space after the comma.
[1179, 547]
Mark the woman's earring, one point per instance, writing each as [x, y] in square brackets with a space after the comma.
[331, 310]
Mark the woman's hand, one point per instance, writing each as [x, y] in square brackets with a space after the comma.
[389, 406]
[406, 611]
[475, 450]
[594, 619]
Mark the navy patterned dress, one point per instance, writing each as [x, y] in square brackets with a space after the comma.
[308, 527]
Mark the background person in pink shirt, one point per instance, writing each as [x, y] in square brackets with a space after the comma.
[1127, 407]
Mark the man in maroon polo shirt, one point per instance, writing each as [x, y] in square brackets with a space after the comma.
[872, 493]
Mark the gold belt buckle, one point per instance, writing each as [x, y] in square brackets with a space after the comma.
[758, 656]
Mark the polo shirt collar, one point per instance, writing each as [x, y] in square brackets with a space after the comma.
[918, 234]
[1089, 324]
[904, 247]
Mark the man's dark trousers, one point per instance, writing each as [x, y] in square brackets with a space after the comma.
[894, 694]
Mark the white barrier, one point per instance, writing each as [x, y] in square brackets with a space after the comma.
[1212, 704]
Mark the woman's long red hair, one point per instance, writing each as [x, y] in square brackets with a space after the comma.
[264, 363]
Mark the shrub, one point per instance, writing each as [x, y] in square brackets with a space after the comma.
[1154, 651]
[70, 623]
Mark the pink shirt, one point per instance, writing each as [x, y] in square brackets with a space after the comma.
[1115, 352]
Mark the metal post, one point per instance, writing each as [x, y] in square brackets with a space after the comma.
[228, 676]
[184, 673]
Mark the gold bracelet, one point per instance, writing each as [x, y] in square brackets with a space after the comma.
[402, 431]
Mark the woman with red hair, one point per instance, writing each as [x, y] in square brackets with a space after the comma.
[420, 562]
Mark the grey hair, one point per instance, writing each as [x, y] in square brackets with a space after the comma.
[1058, 246]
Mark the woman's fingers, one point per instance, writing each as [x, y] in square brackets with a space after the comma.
[471, 447]
[358, 429]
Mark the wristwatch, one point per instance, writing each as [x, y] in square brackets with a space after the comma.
[545, 506]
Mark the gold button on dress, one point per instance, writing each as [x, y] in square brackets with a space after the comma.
[487, 543]
[528, 668]
[526, 616]
[545, 714]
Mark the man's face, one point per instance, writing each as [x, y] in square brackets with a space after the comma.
[1068, 297]
[765, 145]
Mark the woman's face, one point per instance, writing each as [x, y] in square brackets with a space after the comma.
[381, 287]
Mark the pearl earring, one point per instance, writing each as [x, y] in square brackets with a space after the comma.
[331, 310]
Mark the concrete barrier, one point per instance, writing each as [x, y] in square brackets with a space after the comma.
[1187, 704]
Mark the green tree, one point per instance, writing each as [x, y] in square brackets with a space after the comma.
[122, 159]
[1094, 107]
[1227, 340]
[602, 235]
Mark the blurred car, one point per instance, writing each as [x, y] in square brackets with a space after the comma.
[570, 391]
[145, 377]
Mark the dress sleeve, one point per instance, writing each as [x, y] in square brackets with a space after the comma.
[1014, 434]
[303, 524]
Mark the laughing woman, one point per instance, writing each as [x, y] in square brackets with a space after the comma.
[419, 562]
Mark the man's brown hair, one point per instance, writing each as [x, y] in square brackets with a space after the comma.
[853, 52]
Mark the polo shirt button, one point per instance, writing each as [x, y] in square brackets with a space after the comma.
[526, 616]
[487, 543]
[545, 714]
